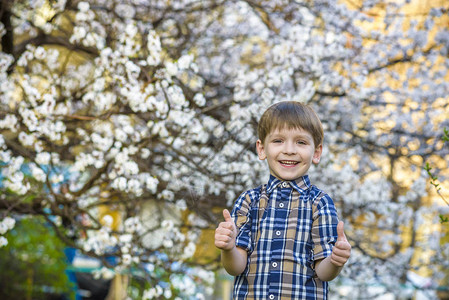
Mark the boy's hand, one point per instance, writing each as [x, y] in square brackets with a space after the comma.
[342, 248]
[226, 233]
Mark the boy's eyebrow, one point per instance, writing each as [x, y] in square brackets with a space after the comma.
[299, 135]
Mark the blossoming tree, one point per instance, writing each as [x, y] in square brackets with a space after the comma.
[149, 108]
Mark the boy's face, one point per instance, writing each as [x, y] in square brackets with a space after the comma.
[289, 152]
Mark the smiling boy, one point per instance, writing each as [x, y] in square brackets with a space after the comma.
[281, 240]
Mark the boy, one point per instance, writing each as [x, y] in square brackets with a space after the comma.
[282, 240]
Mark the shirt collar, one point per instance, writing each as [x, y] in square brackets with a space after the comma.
[300, 184]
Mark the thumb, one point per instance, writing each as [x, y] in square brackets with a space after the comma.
[227, 215]
[341, 233]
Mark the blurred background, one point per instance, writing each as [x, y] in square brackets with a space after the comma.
[127, 126]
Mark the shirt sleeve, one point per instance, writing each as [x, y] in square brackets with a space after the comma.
[324, 227]
[241, 214]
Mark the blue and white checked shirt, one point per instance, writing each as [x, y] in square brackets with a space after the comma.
[285, 226]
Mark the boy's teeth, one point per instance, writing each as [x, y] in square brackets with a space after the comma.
[288, 162]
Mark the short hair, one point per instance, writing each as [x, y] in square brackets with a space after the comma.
[290, 115]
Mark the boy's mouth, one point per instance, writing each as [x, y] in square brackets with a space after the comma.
[289, 162]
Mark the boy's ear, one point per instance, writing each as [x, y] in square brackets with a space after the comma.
[317, 154]
[260, 150]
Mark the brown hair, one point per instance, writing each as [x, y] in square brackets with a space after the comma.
[290, 115]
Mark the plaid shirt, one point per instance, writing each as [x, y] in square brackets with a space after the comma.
[285, 227]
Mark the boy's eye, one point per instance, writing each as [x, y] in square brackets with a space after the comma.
[302, 142]
[277, 141]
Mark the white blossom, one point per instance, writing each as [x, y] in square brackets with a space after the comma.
[107, 220]
[9, 122]
[154, 46]
[126, 259]
[189, 251]
[199, 99]
[132, 225]
[83, 6]
[104, 273]
[3, 241]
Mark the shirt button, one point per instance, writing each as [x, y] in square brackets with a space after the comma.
[281, 205]
[275, 264]
[278, 232]
[284, 184]
[271, 297]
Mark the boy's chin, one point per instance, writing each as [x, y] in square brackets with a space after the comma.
[287, 177]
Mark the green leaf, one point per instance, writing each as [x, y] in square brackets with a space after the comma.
[445, 135]
[29, 198]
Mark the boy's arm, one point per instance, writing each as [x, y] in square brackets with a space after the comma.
[329, 267]
[234, 261]
[233, 258]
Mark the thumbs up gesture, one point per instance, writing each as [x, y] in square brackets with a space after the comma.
[342, 248]
[226, 233]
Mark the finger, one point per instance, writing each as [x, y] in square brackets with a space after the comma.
[341, 253]
[338, 261]
[224, 231]
[223, 238]
[226, 225]
[220, 244]
[227, 215]
[341, 232]
[223, 242]
[340, 256]
[343, 245]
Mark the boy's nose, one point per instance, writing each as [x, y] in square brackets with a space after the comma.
[289, 148]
